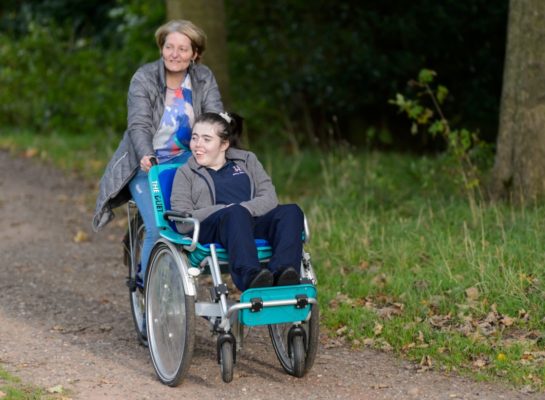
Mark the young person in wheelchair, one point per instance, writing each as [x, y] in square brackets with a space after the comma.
[229, 192]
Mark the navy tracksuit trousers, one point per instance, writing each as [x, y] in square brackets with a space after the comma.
[235, 229]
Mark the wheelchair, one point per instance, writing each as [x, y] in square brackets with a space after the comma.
[165, 308]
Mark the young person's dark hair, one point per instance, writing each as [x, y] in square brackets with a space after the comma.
[230, 124]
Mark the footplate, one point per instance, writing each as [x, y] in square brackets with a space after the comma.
[276, 305]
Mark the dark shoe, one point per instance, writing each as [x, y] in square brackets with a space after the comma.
[263, 278]
[288, 277]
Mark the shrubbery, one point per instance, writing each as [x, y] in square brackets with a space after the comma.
[54, 78]
[302, 72]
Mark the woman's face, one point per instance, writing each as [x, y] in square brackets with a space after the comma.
[207, 147]
[177, 52]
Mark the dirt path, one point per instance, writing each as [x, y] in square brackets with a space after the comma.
[65, 318]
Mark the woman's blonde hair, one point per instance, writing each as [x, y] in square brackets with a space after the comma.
[188, 28]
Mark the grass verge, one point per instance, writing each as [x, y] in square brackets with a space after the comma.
[11, 388]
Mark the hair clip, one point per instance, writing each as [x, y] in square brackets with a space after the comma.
[226, 117]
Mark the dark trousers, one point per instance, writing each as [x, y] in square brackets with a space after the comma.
[235, 229]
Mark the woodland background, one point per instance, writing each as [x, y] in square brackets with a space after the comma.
[300, 72]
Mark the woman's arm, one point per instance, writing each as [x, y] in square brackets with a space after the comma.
[140, 116]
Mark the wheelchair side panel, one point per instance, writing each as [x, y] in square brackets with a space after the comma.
[160, 179]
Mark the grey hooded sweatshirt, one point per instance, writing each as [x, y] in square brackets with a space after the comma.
[146, 104]
[193, 188]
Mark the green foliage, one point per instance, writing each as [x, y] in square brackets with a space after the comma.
[54, 77]
[300, 72]
[461, 144]
[12, 388]
[313, 71]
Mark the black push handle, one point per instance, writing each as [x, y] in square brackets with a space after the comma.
[178, 214]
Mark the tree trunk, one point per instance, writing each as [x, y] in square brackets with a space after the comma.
[210, 16]
[519, 168]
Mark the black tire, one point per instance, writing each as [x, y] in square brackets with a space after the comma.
[170, 316]
[298, 355]
[226, 361]
[136, 294]
[279, 334]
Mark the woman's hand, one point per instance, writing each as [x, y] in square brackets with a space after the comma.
[145, 163]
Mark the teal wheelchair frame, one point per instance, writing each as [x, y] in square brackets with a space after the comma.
[165, 308]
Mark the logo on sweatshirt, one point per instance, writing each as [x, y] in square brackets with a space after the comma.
[237, 170]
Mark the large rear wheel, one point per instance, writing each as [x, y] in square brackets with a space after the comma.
[170, 316]
[297, 357]
[136, 235]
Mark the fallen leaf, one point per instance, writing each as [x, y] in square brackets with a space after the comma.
[506, 320]
[472, 293]
[339, 299]
[480, 363]
[342, 331]
[408, 346]
[2, 395]
[81, 236]
[425, 362]
[31, 152]
[377, 330]
[388, 311]
[384, 345]
[380, 386]
[364, 265]
[55, 389]
[440, 321]
[380, 280]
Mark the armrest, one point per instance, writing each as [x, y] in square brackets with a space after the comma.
[179, 214]
[186, 218]
[307, 230]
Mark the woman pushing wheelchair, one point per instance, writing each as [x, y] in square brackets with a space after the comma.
[228, 191]
[163, 100]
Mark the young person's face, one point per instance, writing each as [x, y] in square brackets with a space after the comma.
[177, 52]
[206, 145]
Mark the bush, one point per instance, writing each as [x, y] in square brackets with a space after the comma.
[54, 80]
